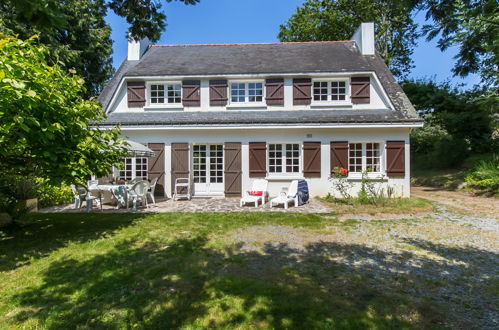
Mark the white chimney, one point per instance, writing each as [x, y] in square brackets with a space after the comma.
[364, 38]
[137, 48]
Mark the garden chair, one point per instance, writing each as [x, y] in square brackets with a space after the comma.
[182, 184]
[286, 197]
[257, 193]
[81, 194]
[152, 188]
[138, 193]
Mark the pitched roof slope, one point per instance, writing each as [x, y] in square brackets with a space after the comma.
[271, 58]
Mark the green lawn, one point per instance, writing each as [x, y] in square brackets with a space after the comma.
[63, 271]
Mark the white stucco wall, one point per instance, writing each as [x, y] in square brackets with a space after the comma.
[318, 186]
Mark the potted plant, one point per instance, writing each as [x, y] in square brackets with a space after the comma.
[339, 172]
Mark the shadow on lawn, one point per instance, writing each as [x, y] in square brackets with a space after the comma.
[48, 232]
[186, 283]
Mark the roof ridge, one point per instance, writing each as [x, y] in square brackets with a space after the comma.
[255, 43]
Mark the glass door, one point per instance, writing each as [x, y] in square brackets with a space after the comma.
[207, 163]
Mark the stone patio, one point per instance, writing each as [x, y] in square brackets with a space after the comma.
[201, 205]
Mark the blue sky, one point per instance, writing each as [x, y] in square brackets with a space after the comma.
[234, 21]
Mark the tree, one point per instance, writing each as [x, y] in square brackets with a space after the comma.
[464, 115]
[396, 32]
[45, 121]
[473, 26]
[76, 31]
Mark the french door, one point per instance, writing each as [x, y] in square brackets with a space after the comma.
[207, 169]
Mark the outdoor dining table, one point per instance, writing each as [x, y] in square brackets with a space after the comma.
[118, 191]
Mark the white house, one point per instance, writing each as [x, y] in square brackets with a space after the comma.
[225, 114]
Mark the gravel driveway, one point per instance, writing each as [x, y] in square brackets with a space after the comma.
[447, 259]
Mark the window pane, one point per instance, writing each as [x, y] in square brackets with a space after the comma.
[355, 157]
[338, 90]
[320, 91]
[275, 158]
[373, 157]
[237, 92]
[174, 93]
[255, 92]
[157, 94]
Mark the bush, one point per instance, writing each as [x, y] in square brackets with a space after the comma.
[485, 176]
[50, 195]
[433, 147]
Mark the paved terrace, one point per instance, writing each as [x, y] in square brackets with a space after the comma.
[200, 205]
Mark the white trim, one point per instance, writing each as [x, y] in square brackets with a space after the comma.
[163, 127]
[329, 102]
[283, 161]
[246, 93]
[260, 75]
[382, 161]
[165, 84]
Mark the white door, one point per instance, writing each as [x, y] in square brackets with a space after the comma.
[207, 169]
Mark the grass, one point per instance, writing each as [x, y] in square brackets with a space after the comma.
[60, 271]
[450, 179]
[394, 206]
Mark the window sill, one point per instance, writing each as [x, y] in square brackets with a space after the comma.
[176, 107]
[331, 104]
[373, 177]
[247, 105]
[284, 178]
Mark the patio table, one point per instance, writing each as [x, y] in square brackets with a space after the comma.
[119, 192]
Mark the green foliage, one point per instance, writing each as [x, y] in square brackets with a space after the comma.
[51, 195]
[473, 26]
[396, 32]
[454, 120]
[45, 122]
[76, 32]
[485, 175]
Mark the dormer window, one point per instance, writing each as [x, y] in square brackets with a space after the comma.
[330, 91]
[246, 92]
[166, 93]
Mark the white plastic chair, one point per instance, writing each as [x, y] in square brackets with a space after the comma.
[79, 194]
[286, 197]
[138, 193]
[258, 185]
[180, 185]
[152, 188]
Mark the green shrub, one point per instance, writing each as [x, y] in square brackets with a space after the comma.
[485, 175]
[50, 195]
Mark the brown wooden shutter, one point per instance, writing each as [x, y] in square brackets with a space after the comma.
[180, 162]
[302, 91]
[257, 159]
[395, 158]
[232, 172]
[312, 159]
[136, 93]
[191, 93]
[274, 91]
[360, 90]
[339, 154]
[218, 92]
[156, 167]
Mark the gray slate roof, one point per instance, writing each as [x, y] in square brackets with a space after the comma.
[260, 118]
[273, 58]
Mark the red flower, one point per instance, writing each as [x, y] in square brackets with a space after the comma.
[344, 171]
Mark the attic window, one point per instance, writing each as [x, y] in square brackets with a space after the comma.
[250, 92]
[330, 91]
[166, 93]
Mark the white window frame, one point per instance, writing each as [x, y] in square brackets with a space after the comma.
[284, 173]
[246, 93]
[329, 100]
[117, 171]
[364, 160]
[165, 104]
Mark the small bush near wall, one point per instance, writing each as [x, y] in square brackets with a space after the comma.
[49, 195]
[485, 176]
